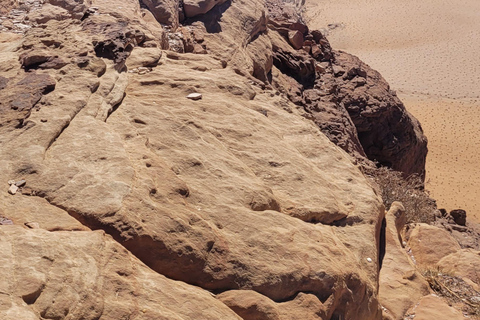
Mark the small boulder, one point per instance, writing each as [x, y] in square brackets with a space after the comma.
[13, 189]
[459, 216]
[316, 51]
[463, 263]
[430, 244]
[296, 39]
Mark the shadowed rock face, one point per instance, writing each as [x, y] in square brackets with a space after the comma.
[238, 195]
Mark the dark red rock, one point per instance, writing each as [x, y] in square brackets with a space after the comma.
[296, 39]
[17, 100]
[299, 27]
[459, 216]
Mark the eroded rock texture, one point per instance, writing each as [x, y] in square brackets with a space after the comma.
[238, 199]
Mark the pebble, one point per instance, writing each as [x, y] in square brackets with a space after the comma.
[195, 96]
[20, 183]
[10, 182]
[13, 189]
[369, 260]
[5, 221]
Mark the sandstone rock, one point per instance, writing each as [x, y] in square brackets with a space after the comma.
[7, 5]
[212, 193]
[196, 7]
[253, 306]
[373, 108]
[89, 276]
[166, 12]
[299, 27]
[144, 57]
[48, 12]
[432, 307]
[430, 244]
[401, 285]
[463, 263]
[76, 8]
[199, 49]
[250, 305]
[34, 58]
[13, 189]
[296, 39]
[459, 216]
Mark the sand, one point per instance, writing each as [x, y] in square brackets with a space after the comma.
[429, 52]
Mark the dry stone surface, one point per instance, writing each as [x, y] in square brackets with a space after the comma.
[141, 203]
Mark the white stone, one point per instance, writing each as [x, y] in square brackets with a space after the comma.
[13, 189]
[195, 96]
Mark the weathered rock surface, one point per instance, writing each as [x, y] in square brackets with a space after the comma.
[432, 307]
[401, 284]
[87, 275]
[166, 12]
[238, 194]
[196, 7]
[430, 244]
[463, 263]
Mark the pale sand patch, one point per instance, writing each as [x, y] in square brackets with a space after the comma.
[429, 52]
[453, 172]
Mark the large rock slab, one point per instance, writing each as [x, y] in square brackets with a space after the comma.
[87, 275]
[432, 307]
[462, 263]
[430, 244]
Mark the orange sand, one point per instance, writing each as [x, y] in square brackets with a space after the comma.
[429, 52]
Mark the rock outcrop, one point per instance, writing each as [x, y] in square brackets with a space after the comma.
[140, 202]
[401, 284]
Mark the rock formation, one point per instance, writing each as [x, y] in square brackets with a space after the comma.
[141, 202]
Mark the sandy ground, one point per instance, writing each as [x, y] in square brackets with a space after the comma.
[429, 52]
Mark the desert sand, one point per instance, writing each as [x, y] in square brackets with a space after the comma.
[428, 52]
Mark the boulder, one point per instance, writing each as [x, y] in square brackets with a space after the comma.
[166, 12]
[194, 8]
[432, 307]
[430, 244]
[296, 39]
[48, 12]
[76, 8]
[462, 263]
[143, 57]
[459, 216]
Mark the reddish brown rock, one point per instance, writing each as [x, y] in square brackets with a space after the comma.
[296, 39]
[194, 8]
[459, 216]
